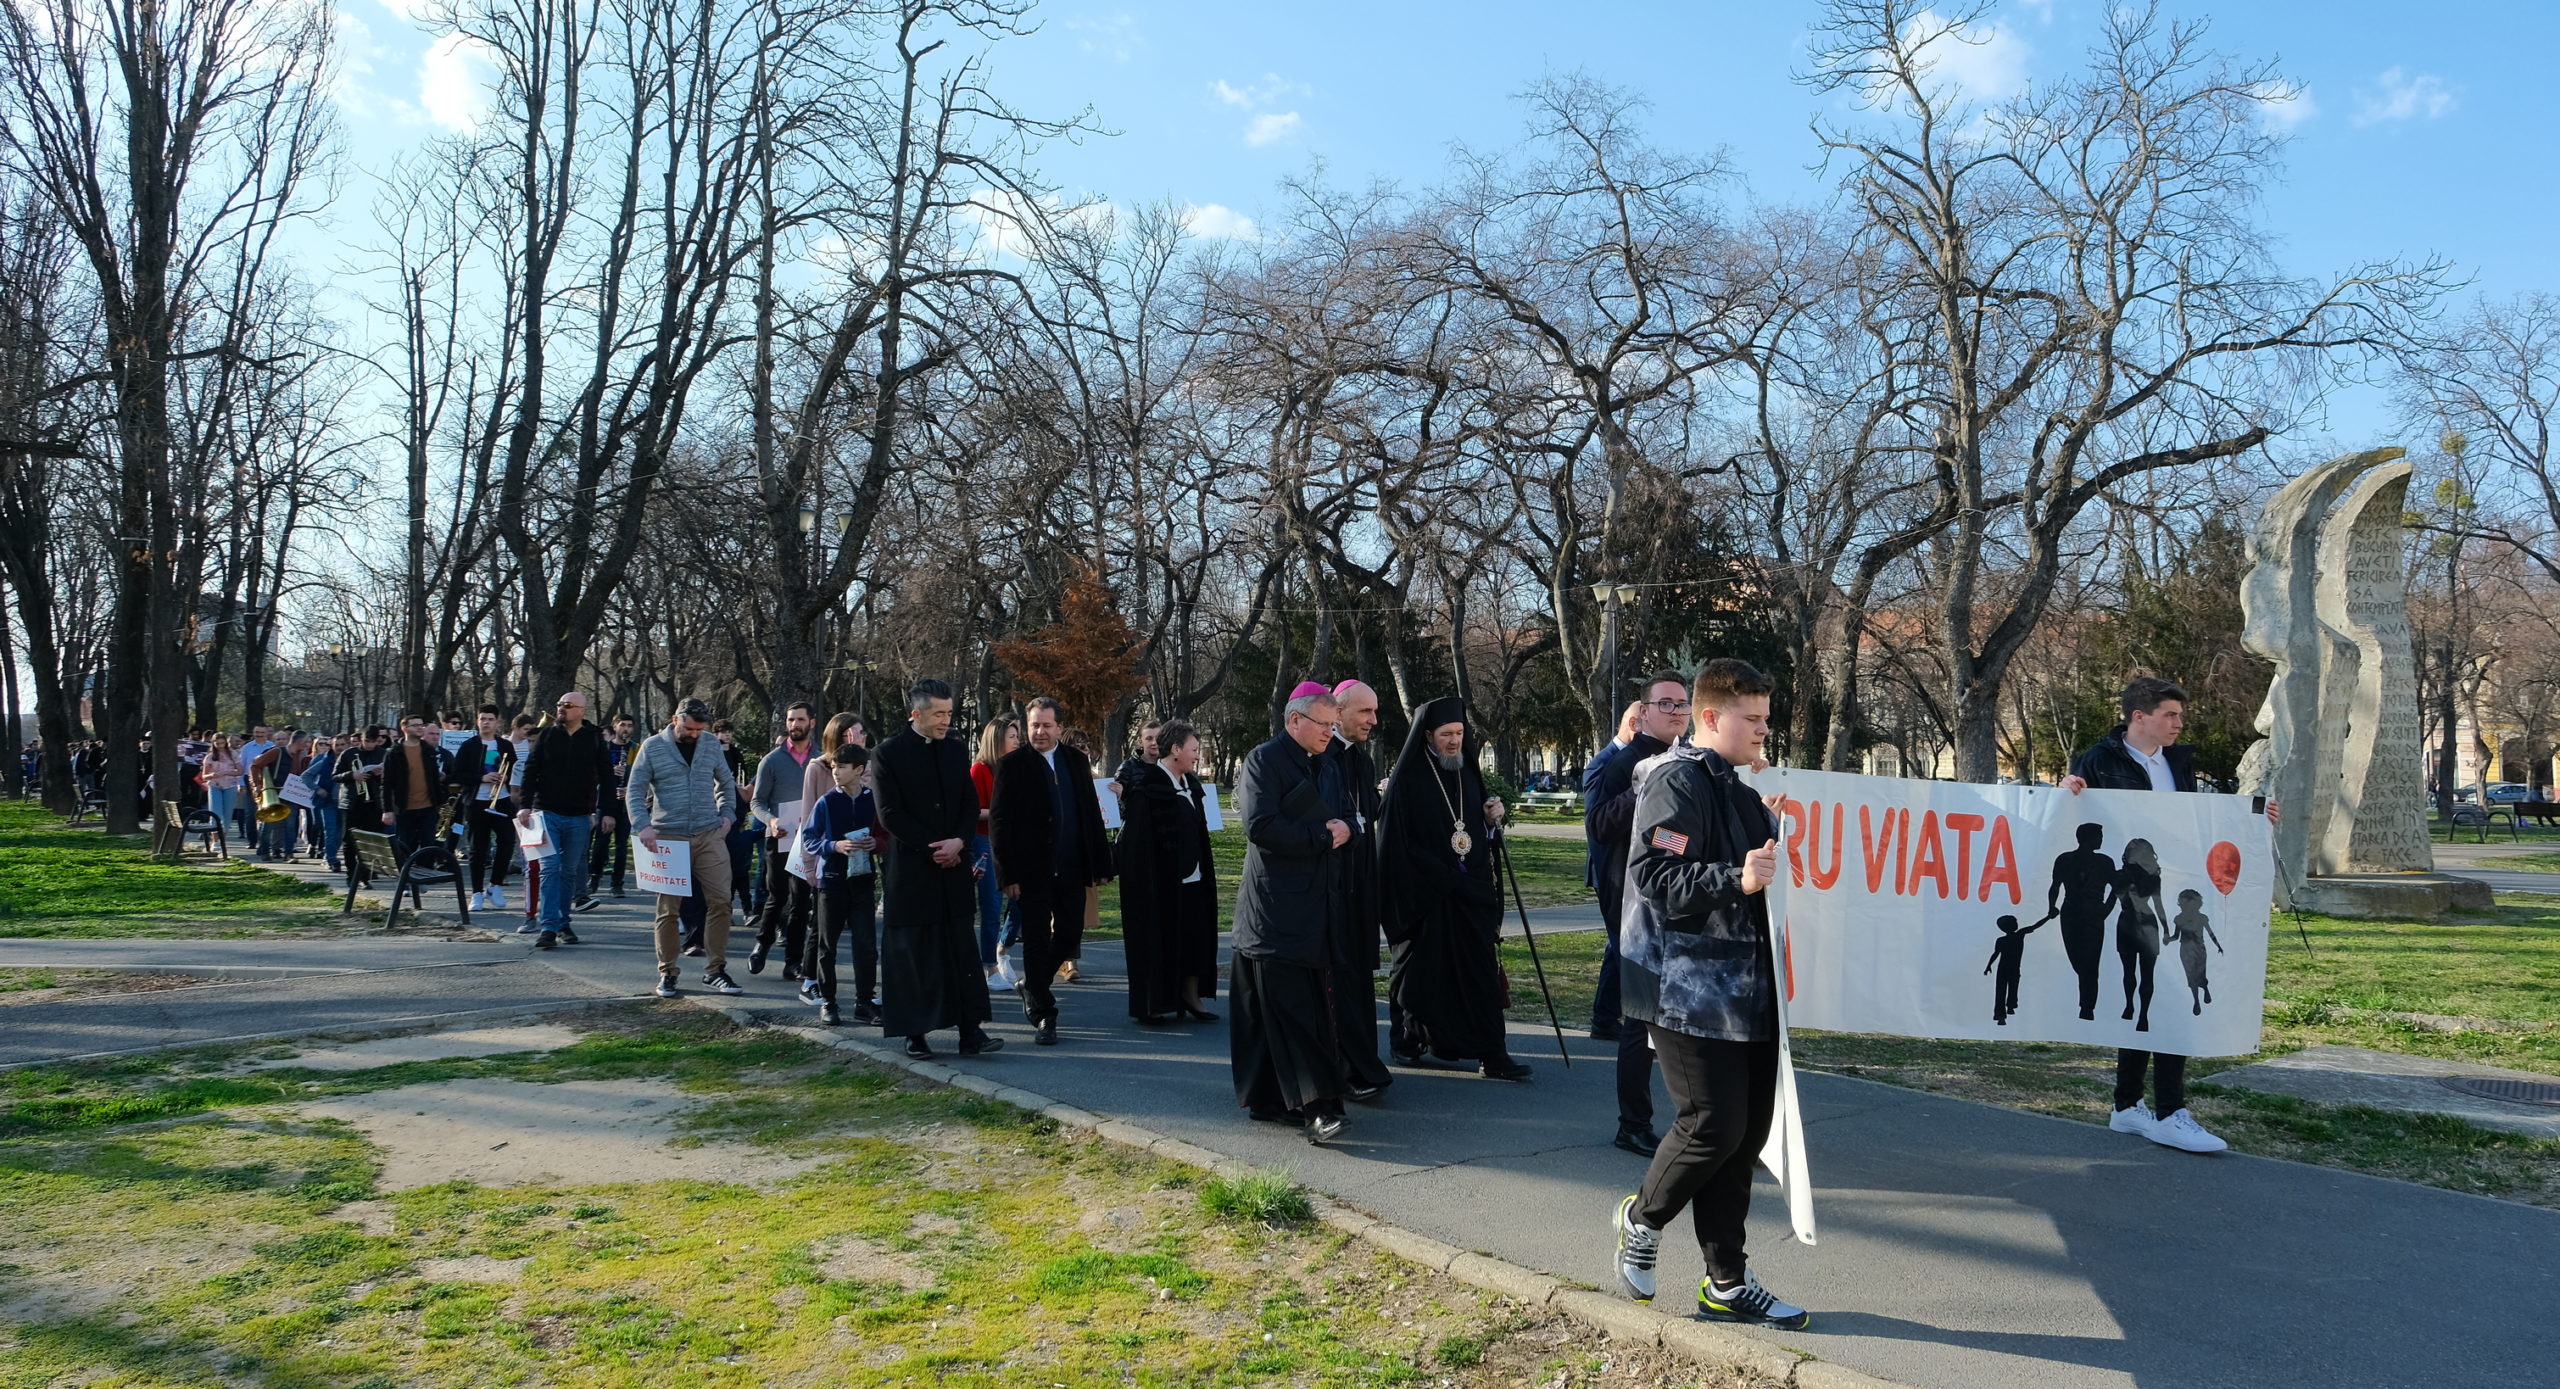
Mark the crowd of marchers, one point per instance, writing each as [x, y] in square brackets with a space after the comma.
[949, 879]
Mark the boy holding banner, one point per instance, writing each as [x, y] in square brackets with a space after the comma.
[1696, 969]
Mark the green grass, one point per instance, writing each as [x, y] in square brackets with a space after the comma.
[2524, 863]
[941, 1239]
[1269, 1198]
[56, 880]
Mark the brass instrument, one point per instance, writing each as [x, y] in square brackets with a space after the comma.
[271, 803]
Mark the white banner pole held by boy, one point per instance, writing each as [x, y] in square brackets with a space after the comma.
[1783, 1154]
[668, 869]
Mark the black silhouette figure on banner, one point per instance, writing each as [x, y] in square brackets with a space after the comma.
[2006, 955]
[2138, 928]
[2083, 880]
[2191, 930]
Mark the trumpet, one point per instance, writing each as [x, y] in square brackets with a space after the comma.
[271, 806]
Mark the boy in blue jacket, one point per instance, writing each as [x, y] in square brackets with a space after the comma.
[843, 833]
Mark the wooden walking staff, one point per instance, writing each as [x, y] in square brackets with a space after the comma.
[1502, 850]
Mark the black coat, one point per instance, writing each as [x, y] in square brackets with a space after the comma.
[1296, 884]
[923, 791]
[1360, 781]
[1608, 817]
[1171, 927]
[395, 775]
[2111, 766]
[1022, 818]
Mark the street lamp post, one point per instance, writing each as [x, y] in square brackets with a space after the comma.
[1611, 597]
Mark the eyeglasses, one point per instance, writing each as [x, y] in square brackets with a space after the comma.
[1669, 706]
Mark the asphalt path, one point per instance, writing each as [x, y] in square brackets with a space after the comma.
[1961, 1244]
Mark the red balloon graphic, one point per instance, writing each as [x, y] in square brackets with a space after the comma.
[2222, 864]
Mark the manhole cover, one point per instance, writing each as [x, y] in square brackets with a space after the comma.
[2534, 1092]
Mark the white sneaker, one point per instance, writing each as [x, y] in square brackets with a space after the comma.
[479, 901]
[1638, 1247]
[2135, 1120]
[2181, 1131]
[497, 896]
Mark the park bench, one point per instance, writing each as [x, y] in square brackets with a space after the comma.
[371, 852]
[91, 803]
[1552, 800]
[183, 824]
[2545, 813]
[2468, 815]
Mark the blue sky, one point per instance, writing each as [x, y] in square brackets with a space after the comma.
[2420, 131]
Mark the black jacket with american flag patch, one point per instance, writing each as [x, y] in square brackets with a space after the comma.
[1693, 947]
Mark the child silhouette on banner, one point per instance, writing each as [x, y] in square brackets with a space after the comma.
[2006, 954]
[2190, 929]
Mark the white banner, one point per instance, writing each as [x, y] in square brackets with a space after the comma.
[1110, 800]
[1209, 807]
[293, 791]
[2022, 913]
[666, 870]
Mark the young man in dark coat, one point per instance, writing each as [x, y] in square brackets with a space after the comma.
[2142, 754]
[1356, 952]
[1441, 897]
[1044, 825]
[929, 977]
[1290, 906]
[1697, 970]
[1168, 882]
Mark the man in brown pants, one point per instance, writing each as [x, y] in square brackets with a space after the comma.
[681, 789]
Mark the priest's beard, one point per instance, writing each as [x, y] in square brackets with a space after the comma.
[1451, 761]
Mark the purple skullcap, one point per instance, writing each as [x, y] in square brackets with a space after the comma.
[1347, 684]
[1309, 687]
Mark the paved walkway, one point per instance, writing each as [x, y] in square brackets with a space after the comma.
[1962, 1245]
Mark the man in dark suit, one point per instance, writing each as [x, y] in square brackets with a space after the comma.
[1608, 814]
[1045, 826]
[929, 975]
[1290, 905]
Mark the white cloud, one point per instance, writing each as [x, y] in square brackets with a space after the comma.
[1263, 91]
[1271, 126]
[1218, 220]
[453, 82]
[2284, 105]
[1114, 36]
[2042, 8]
[405, 9]
[2401, 97]
[1969, 62]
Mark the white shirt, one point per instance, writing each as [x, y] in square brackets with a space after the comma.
[1182, 788]
[2156, 763]
[1051, 757]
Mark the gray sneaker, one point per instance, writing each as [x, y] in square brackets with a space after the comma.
[1638, 1247]
[719, 982]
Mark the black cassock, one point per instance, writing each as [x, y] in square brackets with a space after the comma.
[1355, 948]
[1169, 926]
[930, 977]
[1443, 910]
[1290, 901]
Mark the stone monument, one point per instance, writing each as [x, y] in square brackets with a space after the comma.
[2341, 748]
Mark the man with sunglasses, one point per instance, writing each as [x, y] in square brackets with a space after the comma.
[564, 778]
[1652, 725]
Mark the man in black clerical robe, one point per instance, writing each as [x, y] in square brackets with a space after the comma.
[1168, 884]
[1295, 890]
[1442, 900]
[930, 978]
[1355, 1012]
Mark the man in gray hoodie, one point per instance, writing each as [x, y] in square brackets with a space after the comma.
[681, 789]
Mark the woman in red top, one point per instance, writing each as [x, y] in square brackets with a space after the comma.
[999, 737]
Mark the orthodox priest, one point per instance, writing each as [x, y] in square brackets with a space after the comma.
[1441, 899]
[1168, 881]
[1290, 906]
[1355, 951]
[930, 978]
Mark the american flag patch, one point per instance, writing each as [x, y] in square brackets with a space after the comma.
[1669, 840]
